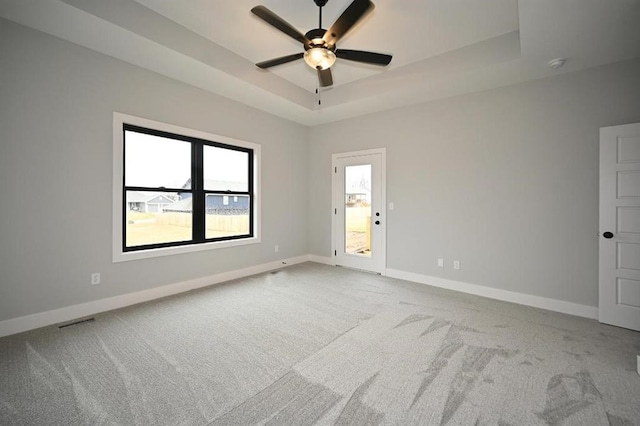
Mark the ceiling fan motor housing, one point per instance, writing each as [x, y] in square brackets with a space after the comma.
[315, 39]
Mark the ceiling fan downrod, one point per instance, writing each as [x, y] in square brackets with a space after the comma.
[320, 4]
[319, 16]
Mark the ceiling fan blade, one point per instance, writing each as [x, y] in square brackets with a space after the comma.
[362, 56]
[275, 21]
[356, 11]
[279, 61]
[325, 78]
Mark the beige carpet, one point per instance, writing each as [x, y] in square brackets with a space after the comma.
[314, 344]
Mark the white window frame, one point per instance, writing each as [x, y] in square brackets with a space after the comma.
[118, 148]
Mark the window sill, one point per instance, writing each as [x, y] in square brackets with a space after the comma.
[121, 256]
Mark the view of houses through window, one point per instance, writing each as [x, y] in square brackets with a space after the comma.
[181, 190]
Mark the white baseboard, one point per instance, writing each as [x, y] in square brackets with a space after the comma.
[499, 294]
[321, 259]
[42, 319]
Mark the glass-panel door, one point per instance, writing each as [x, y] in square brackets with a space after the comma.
[358, 225]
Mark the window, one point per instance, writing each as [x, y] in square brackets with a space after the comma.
[175, 186]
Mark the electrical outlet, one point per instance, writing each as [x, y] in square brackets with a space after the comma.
[276, 248]
[95, 278]
[456, 264]
[440, 262]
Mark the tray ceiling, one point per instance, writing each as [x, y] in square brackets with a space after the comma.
[440, 48]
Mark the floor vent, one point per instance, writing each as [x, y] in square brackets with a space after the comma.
[77, 322]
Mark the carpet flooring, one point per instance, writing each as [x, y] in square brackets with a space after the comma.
[314, 344]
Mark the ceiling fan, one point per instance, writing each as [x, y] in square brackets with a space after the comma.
[320, 44]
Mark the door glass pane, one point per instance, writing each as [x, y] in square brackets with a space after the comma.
[357, 211]
[157, 217]
[227, 216]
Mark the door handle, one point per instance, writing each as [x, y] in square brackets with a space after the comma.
[608, 235]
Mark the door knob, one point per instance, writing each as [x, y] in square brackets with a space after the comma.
[377, 222]
[608, 235]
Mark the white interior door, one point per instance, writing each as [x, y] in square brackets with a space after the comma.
[620, 226]
[359, 221]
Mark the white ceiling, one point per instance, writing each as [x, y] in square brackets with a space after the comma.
[440, 48]
[427, 28]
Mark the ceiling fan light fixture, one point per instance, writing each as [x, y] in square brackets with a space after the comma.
[319, 58]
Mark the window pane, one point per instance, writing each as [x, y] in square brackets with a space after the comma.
[227, 219]
[225, 169]
[157, 217]
[156, 162]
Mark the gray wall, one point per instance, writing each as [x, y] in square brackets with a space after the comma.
[506, 181]
[56, 105]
